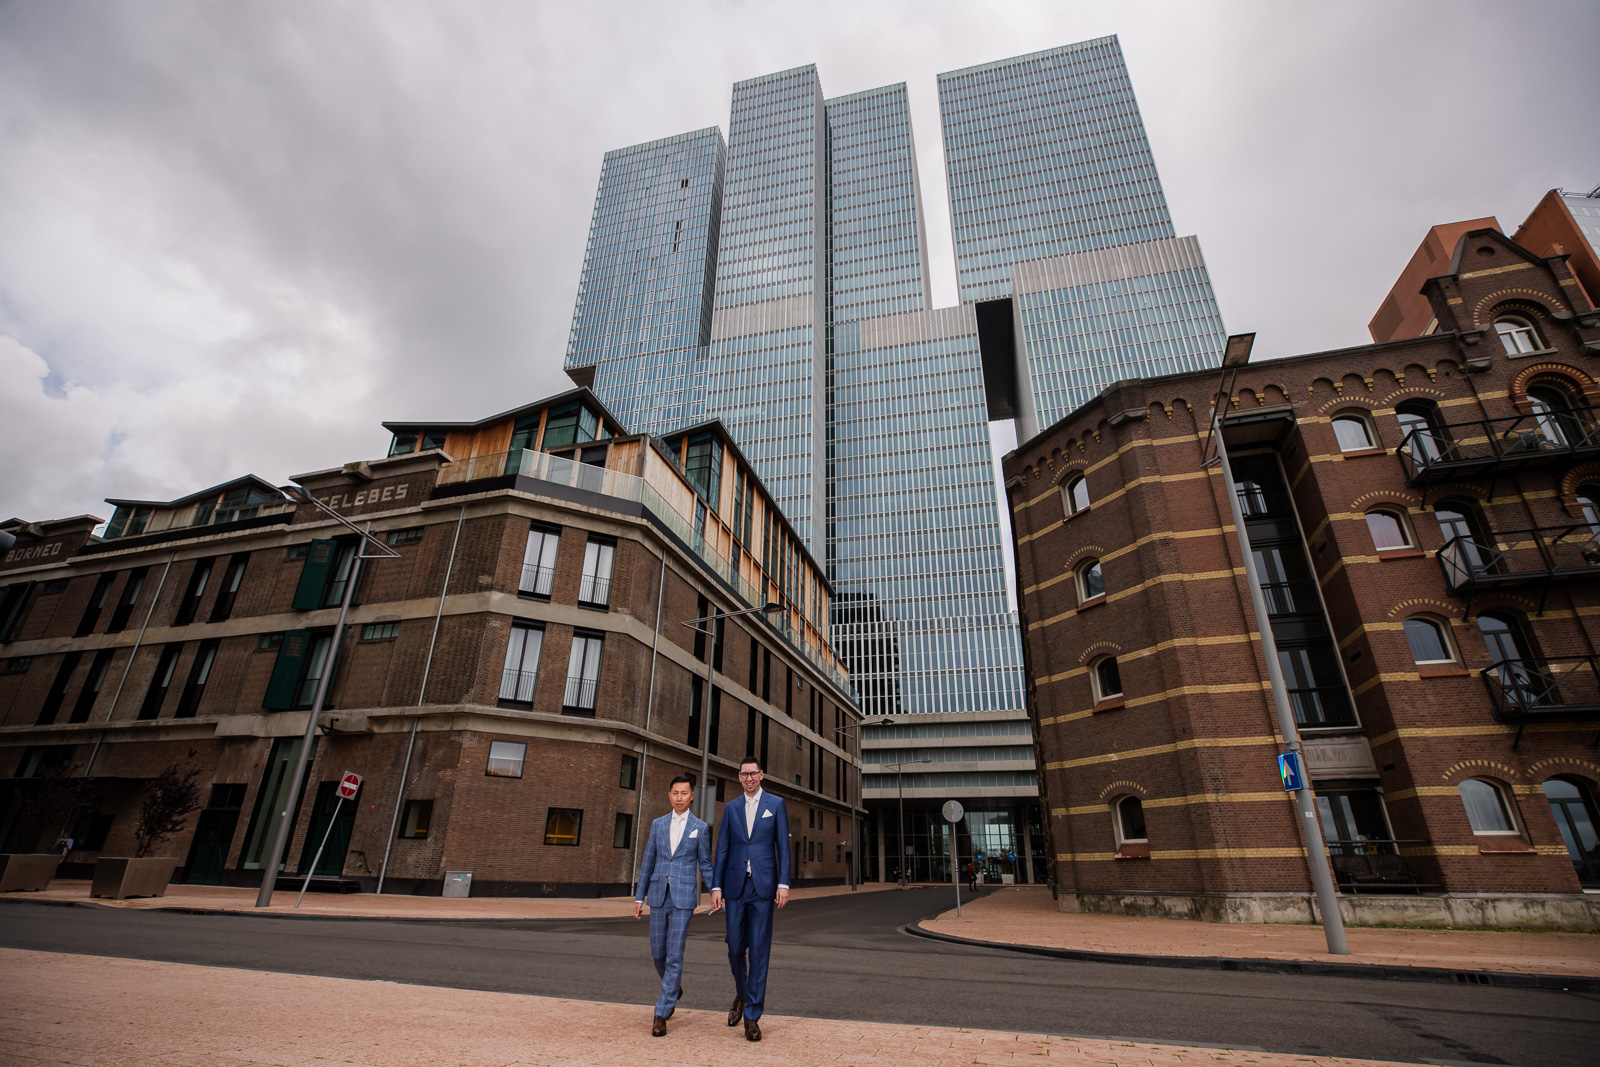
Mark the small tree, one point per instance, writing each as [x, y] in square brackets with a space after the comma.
[168, 800]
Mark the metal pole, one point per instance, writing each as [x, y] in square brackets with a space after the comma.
[1316, 855]
[138, 641]
[905, 853]
[318, 857]
[280, 839]
[649, 707]
[708, 803]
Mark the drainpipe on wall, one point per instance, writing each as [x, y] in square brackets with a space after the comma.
[649, 706]
[126, 667]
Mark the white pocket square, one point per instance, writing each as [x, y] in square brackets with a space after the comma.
[694, 833]
[766, 815]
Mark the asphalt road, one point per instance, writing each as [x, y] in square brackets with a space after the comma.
[845, 957]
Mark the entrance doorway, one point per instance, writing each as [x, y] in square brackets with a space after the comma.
[213, 836]
[331, 865]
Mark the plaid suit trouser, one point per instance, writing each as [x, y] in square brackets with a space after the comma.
[669, 931]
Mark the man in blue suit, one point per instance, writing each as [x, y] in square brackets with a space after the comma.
[751, 875]
[678, 843]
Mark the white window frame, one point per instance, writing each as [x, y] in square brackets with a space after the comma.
[1514, 331]
[1361, 420]
[599, 559]
[1116, 821]
[1507, 808]
[539, 558]
[1094, 679]
[517, 681]
[1081, 576]
[1443, 629]
[513, 754]
[1410, 539]
[1071, 506]
[583, 670]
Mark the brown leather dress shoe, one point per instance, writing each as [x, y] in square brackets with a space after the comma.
[658, 1027]
[752, 1030]
[736, 1012]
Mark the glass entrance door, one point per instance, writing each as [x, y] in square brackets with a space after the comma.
[1573, 807]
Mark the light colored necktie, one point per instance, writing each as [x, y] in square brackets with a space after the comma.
[676, 834]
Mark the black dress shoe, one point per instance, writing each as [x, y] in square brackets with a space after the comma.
[752, 1030]
[736, 1012]
[658, 1028]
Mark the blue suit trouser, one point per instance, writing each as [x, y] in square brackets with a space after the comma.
[749, 948]
[669, 932]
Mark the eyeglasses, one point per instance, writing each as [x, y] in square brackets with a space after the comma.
[749, 774]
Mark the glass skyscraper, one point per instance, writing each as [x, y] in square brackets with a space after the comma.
[783, 287]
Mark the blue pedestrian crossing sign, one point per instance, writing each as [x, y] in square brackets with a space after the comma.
[1292, 773]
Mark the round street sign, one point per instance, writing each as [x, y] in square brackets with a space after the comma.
[979, 856]
[1012, 856]
[349, 785]
[953, 811]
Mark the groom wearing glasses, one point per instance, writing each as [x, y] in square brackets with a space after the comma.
[751, 874]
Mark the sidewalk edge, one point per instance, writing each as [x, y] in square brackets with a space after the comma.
[1576, 983]
[181, 909]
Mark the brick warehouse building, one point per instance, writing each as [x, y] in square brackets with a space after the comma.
[1424, 514]
[536, 706]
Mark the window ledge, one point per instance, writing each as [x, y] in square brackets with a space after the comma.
[1530, 355]
[1108, 704]
[1374, 451]
[1074, 514]
[1442, 670]
[1498, 844]
[1092, 602]
[1400, 553]
[594, 607]
[1133, 850]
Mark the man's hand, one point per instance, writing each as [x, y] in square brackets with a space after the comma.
[716, 901]
[783, 896]
[638, 909]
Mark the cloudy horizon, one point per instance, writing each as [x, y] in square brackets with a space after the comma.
[240, 237]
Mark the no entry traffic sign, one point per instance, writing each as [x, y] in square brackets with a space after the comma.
[349, 785]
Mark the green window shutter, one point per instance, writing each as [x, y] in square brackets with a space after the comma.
[286, 671]
[308, 596]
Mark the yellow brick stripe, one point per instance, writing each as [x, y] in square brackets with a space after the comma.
[1192, 854]
[1167, 694]
[1177, 802]
[1149, 442]
[1134, 546]
[1161, 750]
[1152, 479]
[1132, 590]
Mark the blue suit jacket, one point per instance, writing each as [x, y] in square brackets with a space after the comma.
[661, 867]
[766, 850]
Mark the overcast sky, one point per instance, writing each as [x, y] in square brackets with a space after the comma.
[235, 237]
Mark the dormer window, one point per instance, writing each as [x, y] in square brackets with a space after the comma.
[1517, 335]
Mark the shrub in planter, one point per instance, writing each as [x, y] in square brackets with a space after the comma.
[168, 800]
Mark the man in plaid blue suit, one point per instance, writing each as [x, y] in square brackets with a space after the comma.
[677, 845]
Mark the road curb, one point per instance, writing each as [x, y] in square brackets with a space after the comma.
[1504, 979]
[179, 909]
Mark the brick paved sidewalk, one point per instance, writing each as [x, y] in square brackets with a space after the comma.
[86, 1010]
[1028, 916]
[227, 898]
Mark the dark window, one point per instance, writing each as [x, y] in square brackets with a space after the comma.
[16, 665]
[595, 586]
[630, 772]
[40, 760]
[622, 835]
[90, 830]
[722, 643]
[232, 578]
[766, 730]
[125, 603]
[703, 464]
[97, 603]
[58, 688]
[199, 578]
[750, 717]
[563, 826]
[696, 696]
[344, 561]
[199, 674]
[1423, 436]
[1572, 804]
[505, 759]
[414, 823]
[521, 672]
[1107, 679]
[409, 536]
[1552, 406]
[300, 551]
[404, 443]
[91, 686]
[539, 562]
[1130, 820]
[380, 631]
[702, 609]
[269, 642]
[13, 606]
[1091, 582]
[766, 675]
[160, 682]
[1076, 495]
[53, 586]
[716, 719]
[755, 665]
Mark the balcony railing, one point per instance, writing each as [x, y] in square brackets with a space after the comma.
[557, 470]
[593, 589]
[518, 685]
[1539, 687]
[1520, 557]
[144, 522]
[536, 580]
[1473, 448]
[580, 693]
[1319, 706]
[1291, 598]
[1372, 865]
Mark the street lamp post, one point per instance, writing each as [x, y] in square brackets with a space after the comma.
[900, 781]
[855, 837]
[707, 802]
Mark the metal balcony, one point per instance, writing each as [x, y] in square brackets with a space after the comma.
[1520, 557]
[1543, 687]
[1370, 865]
[1487, 446]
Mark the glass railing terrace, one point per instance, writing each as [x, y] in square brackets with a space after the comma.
[1520, 557]
[1484, 445]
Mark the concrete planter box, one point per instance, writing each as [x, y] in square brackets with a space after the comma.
[118, 877]
[29, 873]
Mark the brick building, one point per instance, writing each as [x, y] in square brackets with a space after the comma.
[516, 686]
[1424, 514]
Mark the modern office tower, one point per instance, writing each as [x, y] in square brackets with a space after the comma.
[643, 315]
[1048, 165]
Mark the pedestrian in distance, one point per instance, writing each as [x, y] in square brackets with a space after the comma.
[972, 878]
[679, 847]
[750, 879]
[62, 846]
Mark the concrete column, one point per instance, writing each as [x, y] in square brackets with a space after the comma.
[1027, 839]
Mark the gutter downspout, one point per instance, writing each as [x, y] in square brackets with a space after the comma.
[649, 706]
[427, 667]
[126, 667]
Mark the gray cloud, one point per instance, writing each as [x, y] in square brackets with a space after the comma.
[237, 237]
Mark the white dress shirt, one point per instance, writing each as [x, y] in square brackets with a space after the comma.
[676, 834]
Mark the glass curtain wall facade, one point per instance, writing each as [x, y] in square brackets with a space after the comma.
[1055, 200]
[643, 315]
